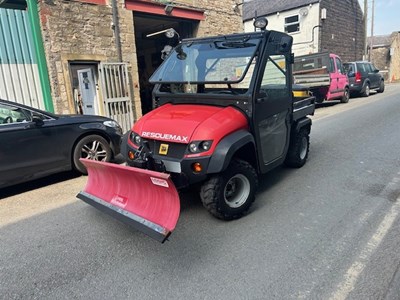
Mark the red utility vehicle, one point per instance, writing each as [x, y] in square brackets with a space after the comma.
[225, 114]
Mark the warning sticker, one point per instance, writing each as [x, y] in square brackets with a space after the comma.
[160, 182]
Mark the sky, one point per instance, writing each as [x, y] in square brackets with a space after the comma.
[386, 17]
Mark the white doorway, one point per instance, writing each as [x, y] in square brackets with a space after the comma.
[87, 89]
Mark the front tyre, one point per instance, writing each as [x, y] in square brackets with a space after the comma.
[381, 87]
[92, 147]
[298, 149]
[230, 194]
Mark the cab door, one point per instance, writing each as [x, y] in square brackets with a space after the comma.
[272, 108]
[342, 79]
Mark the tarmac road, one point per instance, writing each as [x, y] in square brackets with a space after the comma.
[329, 230]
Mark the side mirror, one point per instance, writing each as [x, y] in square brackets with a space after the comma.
[376, 71]
[37, 120]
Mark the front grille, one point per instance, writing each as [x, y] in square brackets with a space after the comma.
[175, 150]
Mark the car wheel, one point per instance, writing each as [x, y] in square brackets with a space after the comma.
[366, 91]
[346, 96]
[229, 195]
[381, 87]
[298, 149]
[92, 147]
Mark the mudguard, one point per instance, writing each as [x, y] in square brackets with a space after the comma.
[143, 199]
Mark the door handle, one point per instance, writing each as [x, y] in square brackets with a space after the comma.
[261, 100]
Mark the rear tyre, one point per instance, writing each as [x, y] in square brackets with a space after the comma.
[298, 149]
[92, 147]
[366, 91]
[346, 96]
[229, 195]
[381, 87]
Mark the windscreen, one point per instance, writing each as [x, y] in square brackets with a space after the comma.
[224, 61]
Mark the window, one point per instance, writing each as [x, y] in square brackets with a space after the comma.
[331, 65]
[275, 72]
[339, 66]
[292, 24]
[369, 68]
[10, 114]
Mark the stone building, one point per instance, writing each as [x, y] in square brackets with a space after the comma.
[385, 55]
[316, 25]
[79, 35]
[85, 42]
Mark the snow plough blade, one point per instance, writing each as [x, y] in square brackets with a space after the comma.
[146, 200]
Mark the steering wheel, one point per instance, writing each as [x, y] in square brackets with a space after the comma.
[7, 120]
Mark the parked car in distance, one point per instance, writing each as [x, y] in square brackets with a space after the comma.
[364, 77]
[35, 143]
[324, 75]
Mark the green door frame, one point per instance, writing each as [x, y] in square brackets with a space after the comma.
[33, 14]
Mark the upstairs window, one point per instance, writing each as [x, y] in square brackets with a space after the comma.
[292, 24]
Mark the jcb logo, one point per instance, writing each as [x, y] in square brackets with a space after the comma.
[163, 149]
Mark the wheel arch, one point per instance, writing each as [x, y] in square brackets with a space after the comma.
[302, 123]
[239, 144]
[87, 133]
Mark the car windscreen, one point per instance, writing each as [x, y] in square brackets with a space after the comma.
[225, 61]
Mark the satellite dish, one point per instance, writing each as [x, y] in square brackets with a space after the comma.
[303, 12]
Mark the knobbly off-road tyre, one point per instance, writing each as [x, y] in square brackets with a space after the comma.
[92, 147]
[230, 194]
[298, 149]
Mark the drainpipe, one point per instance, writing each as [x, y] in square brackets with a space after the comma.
[116, 29]
[33, 14]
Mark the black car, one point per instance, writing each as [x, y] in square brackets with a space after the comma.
[34, 143]
[364, 77]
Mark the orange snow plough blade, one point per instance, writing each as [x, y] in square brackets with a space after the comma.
[144, 199]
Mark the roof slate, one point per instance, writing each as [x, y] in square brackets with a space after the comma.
[380, 40]
[267, 7]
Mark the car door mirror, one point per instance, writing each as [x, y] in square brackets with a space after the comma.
[37, 120]
[376, 71]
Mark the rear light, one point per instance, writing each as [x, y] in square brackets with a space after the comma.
[358, 77]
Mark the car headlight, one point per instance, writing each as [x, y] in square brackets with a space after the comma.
[111, 123]
[136, 139]
[199, 146]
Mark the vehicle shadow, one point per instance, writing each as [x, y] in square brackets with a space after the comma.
[37, 183]
[326, 104]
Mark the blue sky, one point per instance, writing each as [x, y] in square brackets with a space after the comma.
[386, 19]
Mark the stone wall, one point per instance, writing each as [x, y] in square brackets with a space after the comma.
[394, 75]
[380, 57]
[74, 30]
[342, 31]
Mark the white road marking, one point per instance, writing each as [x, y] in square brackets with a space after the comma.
[352, 274]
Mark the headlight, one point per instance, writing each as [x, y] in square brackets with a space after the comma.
[199, 146]
[111, 123]
[135, 138]
[206, 145]
[138, 139]
[193, 147]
